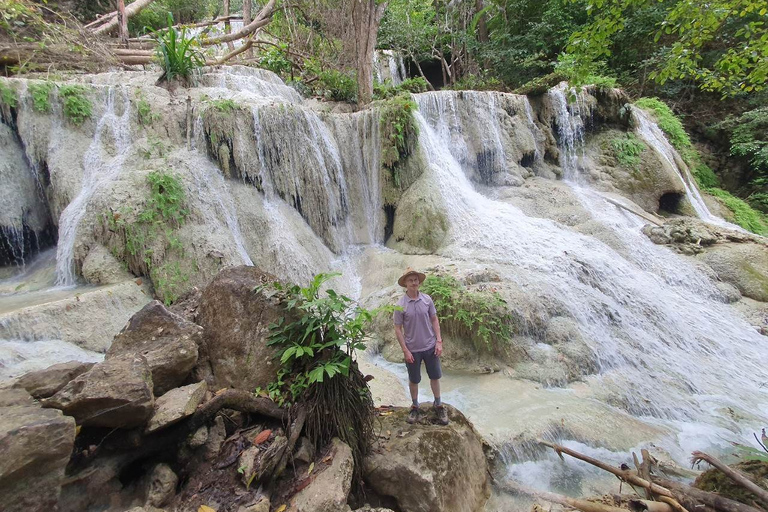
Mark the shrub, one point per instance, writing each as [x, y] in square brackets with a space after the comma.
[399, 133]
[225, 106]
[8, 95]
[470, 82]
[178, 53]
[628, 150]
[481, 317]
[337, 85]
[744, 215]
[41, 96]
[274, 59]
[144, 112]
[705, 177]
[749, 137]
[77, 106]
[410, 85]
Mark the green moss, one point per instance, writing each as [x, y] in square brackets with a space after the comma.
[41, 96]
[714, 480]
[77, 106]
[8, 95]
[481, 317]
[399, 133]
[744, 215]
[627, 150]
[705, 177]
[144, 112]
[410, 85]
[226, 106]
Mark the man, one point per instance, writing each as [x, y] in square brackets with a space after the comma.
[418, 332]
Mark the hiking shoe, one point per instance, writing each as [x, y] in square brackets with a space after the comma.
[442, 415]
[414, 416]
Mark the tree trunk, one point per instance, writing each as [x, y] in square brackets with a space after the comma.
[130, 11]
[227, 26]
[366, 18]
[482, 26]
[122, 22]
[261, 19]
[247, 20]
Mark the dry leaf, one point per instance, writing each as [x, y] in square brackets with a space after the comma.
[311, 467]
[327, 459]
[281, 508]
[220, 391]
[389, 433]
[205, 508]
[263, 436]
[388, 413]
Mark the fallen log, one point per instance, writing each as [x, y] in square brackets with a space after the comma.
[736, 476]
[262, 19]
[583, 505]
[688, 495]
[111, 22]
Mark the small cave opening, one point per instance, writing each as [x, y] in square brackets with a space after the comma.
[670, 203]
[433, 71]
[528, 159]
[389, 227]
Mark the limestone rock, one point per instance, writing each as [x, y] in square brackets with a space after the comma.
[421, 222]
[45, 383]
[167, 341]
[745, 266]
[329, 488]
[36, 445]
[199, 438]
[176, 405]
[216, 436]
[12, 394]
[306, 450]
[100, 267]
[160, 485]
[430, 468]
[115, 394]
[235, 319]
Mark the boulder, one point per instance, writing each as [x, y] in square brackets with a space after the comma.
[430, 468]
[176, 405]
[160, 484]
[745, 266]
[114, 394]
[235, 318]
[45, 383]
[329, 488]
[166, 340]
[100, 267]
[36, 445]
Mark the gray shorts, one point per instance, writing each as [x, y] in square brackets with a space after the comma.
[431, 361]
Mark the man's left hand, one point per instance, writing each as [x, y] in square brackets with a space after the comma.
[439, 348]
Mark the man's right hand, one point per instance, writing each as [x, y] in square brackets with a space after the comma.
[408, 356]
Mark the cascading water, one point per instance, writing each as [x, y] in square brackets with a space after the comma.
[667, 353]
[99, 169]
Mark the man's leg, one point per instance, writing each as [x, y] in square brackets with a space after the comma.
[414, 377]
[435, 385]
[435, 372]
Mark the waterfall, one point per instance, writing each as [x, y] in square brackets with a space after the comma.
[537, 157]
[99, 169]
[570, 128]
[259, 82]
[389, 65]
[665, 351]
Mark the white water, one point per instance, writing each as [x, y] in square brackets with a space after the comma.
[18, 357]
[393, 64]
[667, 352]
[99, 169]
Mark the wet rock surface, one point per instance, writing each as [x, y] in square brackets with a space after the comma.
[45, 383]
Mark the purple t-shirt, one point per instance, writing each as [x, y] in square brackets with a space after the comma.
[416, 321]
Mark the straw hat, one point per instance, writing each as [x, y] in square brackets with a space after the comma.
[410, 272]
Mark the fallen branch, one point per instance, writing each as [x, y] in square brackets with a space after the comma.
[583, 505]
[239, 400]
[130, 11]
[261, 19]
[735, 475]
[234, 53]
[624, 475]
[689, 496]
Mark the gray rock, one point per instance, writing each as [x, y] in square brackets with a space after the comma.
[199, 438]
[167, 341]
[13, 394]
[745, 266]
[216, 436]
[329, 489]
[100, 267]
[176, 405]
[36, 445]
[430, 468]
[116, 393]
[160, 485]
[306, 451]
[45, 383]
[235, 319]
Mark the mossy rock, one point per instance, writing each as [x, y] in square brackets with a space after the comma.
[714, 480]
[421, 223]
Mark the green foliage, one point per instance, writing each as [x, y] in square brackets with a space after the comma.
[481, 317]
[275, 60]
[669, 124]
[41, 95]
[179, 54]
[579, 74]
[8, 95]
[705, 177]
[144, 112]
[399, 132]
[749, 137]
[154, 16]
[744, 215]
[627, 150]
[410, 85]
[480, 82]
[317, 339]
[77, 106]
[225, 106]
[336, 85]
[149, 235]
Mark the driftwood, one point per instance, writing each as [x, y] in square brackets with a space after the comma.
[260, 20]
[110, 20]
[691, 495]
[583, 505]
[735, 475]
[238, 400]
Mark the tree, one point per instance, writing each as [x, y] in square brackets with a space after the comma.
[722, 44]
[409, 28]
[366, 18]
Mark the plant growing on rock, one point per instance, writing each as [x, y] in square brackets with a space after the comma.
[399, 133]
[316, 341]
[77, 107]
[41, 96]
[144, 112]
[628, 150]
[8, 95]
[481, 317]
[178, 53]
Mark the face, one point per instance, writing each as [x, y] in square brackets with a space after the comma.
[412, 283]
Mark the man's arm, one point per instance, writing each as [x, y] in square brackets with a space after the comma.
[401, 340]
[436, 328]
